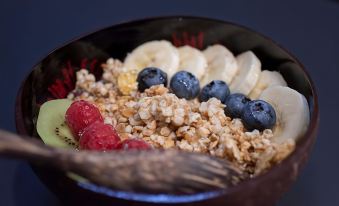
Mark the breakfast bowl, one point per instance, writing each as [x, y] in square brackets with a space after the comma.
[55, 76]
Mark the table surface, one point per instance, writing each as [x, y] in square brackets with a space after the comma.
[309, 29]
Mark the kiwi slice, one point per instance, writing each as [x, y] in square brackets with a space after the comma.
[53, 130]
[51, 125]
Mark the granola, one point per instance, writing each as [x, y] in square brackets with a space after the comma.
[166, 121]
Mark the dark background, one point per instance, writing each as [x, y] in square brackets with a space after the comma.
[309, 29]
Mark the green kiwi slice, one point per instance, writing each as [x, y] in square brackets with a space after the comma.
[53, 130]
[51, 125]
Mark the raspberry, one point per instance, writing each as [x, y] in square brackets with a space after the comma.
[133, 144]
[99, 136]
[81, 114]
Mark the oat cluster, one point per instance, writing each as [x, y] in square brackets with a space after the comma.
[165, 121]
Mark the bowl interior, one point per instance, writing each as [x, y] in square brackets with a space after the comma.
[54, 76]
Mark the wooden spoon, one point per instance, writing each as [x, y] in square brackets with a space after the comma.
[147, 171]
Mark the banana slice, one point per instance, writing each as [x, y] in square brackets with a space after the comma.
[292, 112]
[192, 60]
[221, 64]
[249, 70]
[267, 79]
[161, 54]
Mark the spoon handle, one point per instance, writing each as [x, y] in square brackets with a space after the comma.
[14, 146]
[152, 171]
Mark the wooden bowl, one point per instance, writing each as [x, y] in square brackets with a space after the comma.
[54, 76]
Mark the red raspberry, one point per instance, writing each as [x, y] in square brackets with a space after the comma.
[99, 136]
[133, 144]
[81, 114]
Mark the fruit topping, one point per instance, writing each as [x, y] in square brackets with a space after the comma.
[81, 114]
[51, 125]
[128, 144]
[267, 79]
[161, 54]
[235, 104]
[293, 116]
[192, 60]
[248, 74]
[221, 64]
[151, 76]
[215, 88]
[185, 85]
[99, 136]
[258, 114]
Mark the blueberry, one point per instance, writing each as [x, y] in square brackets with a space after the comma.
[215, 88]
[151, 76]
[185, 85]
[259, 115]
[235, 104]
